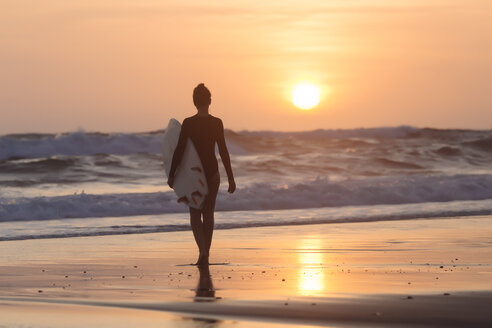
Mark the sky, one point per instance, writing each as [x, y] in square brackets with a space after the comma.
[129, 66]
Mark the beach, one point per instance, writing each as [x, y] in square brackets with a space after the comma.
[349, 143]
[429, 272]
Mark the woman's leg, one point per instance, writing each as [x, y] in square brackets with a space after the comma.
[197, 228]
[208, 230]
[208, 214]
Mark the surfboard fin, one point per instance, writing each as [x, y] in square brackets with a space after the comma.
[184, 199]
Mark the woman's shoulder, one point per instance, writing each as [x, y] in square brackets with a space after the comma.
[189, 119]
[216, 119]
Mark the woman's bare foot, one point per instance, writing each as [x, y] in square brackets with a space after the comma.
[202, 259]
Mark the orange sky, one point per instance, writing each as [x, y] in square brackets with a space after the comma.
[117, 65]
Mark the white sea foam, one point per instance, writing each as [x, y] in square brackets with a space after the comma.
[309, 194]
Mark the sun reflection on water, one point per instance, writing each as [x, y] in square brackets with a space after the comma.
[311, 275]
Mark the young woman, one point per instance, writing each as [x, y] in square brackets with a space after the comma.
[205, 131]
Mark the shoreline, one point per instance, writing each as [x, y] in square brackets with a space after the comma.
[218, 226]
[174, 222]
[399, 269]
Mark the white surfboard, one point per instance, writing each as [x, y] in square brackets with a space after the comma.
[190, 183]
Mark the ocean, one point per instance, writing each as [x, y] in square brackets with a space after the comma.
[91, 183]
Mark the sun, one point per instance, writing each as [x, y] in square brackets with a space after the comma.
[305, 95]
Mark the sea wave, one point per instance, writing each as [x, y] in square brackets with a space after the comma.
[320, 192]
[380, 132]
[19, 146]
[484, 144]
[78, 144]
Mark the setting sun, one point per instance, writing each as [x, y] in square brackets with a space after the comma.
[305, 95]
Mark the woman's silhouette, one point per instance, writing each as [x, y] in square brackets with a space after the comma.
[204, 130]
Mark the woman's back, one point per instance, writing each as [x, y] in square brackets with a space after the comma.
[204, 132]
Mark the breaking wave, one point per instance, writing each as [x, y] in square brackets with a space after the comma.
[317, 193]
[81, 143]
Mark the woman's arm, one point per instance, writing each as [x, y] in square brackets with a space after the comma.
[224, 155]
[178, 154]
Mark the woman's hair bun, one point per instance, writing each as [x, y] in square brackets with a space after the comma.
[201, 95]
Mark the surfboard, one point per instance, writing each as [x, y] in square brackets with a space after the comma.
[190, 184]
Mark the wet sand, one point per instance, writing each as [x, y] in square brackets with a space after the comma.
[418, 272]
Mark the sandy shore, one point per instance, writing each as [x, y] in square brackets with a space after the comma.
[418, 272]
